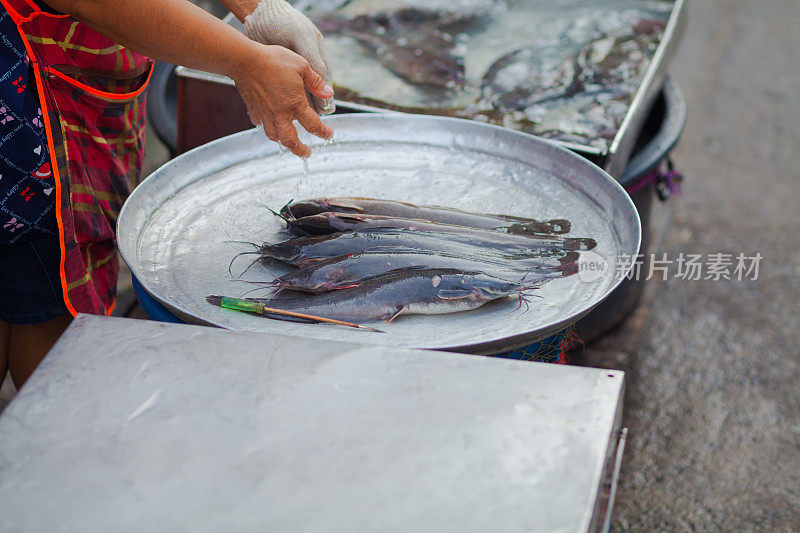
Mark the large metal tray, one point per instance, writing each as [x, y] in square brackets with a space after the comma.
[615, 158]
[175, 230]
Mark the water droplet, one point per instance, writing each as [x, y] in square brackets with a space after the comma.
[304, 178]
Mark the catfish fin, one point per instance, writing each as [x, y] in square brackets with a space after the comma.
[453, 294]
[344, 205]
[351, 216]
[409, 204]
[397, 313]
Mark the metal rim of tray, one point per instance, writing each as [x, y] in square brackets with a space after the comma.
[180, 174]
[665, 139]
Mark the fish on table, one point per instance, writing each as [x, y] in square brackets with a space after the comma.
[304, 250]
[346, 271]
[364, 259]
[574, 84]
[405, 291]
[327, 223]
[525, 77]
[438, 214]
[568, 92]
[409, 43]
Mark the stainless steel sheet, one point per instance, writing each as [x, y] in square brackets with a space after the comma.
[176, 229]
[131, 426]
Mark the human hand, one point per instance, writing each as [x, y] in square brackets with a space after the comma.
[272, 82]
[276, 22]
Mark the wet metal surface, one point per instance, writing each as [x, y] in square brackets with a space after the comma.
[142, 426]
[599, 119]
[176, 228]
[361, 75]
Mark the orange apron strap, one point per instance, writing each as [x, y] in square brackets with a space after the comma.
[99, 93]
[62, 274]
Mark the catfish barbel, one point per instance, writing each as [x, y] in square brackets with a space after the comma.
[303, 250]
[348, 271]
[324, 223]
[408, 291]
[444, 215]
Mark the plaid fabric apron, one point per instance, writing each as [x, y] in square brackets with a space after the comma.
[92, 94]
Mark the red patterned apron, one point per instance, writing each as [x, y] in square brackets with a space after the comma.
[92, 94]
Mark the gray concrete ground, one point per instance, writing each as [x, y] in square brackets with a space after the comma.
[713, 401]
[7, 392]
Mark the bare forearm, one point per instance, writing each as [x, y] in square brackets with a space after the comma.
[272, 80]
[175, 31]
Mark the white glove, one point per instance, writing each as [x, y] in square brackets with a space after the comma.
[278, 23]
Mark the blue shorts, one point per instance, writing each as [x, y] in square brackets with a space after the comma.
[30, 285]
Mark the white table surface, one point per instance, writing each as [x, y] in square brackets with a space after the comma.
[141, 426]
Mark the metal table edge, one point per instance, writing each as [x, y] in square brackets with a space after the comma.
[623, 143]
